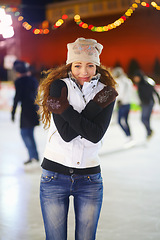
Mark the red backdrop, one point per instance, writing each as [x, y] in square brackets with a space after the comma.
[138, 38]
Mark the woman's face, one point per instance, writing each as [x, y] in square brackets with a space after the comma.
[136, 79]
[83, 71]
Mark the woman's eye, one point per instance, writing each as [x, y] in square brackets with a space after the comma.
[90, 65]
[77, 66]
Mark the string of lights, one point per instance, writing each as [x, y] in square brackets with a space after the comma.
[119, 21]
[46, 27]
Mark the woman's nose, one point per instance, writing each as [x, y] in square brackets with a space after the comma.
[84, 71]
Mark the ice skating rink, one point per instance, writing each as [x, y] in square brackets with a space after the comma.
[131, 206]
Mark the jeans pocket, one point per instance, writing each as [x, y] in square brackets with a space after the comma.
[47, 176]
[46, 179]
[95, 178]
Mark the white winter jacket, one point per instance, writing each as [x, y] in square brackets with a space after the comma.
[79, 152]
[124, 89]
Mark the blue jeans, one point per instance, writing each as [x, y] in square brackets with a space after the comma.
[29, 141]
[55, 190]
[146, 115]
[123, 118]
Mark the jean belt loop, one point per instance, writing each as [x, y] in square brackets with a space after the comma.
[55, 175]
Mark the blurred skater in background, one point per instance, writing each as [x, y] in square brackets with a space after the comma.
[146, 92]
[25, 93]
[124, 89]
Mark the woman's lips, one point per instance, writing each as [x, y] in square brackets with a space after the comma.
[84, 79]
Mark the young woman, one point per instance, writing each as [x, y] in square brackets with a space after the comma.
[76, 102]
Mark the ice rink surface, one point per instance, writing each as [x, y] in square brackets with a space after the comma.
[131, 174]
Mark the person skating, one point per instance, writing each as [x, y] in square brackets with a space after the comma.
[25, 93]
[76, 102]
[123, 100]
[146, 92]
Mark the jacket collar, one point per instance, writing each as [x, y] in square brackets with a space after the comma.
[92, 83]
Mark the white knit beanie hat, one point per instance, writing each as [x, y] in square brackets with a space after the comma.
[87, 50]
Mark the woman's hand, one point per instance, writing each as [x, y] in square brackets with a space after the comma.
[107, 95]
[60, 104]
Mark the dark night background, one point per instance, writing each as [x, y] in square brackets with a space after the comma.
[135, 41]
[34, 10]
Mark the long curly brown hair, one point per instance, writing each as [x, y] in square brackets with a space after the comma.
[59, 73]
